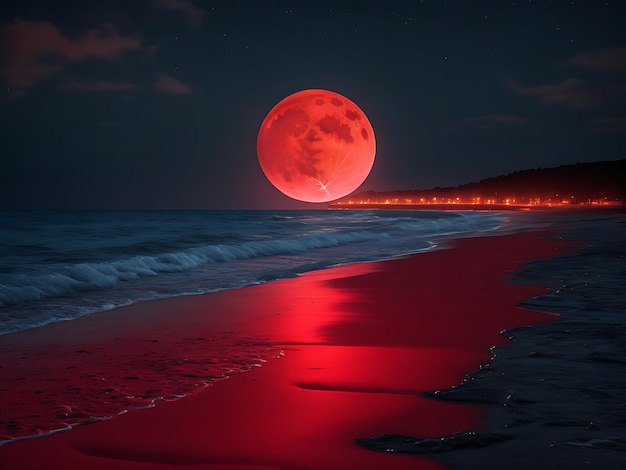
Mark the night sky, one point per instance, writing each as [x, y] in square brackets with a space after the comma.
[156, 104]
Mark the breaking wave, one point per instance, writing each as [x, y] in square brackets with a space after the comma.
[73, 278]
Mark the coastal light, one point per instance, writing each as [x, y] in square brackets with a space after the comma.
[316, 146]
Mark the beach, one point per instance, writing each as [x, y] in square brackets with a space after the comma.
[314, 363]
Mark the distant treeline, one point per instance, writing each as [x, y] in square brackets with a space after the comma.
[578, 183]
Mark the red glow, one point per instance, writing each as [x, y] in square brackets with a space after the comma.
[316, 146]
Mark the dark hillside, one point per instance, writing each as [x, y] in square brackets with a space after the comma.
[581, 183]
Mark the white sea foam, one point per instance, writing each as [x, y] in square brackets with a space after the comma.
[72, 278]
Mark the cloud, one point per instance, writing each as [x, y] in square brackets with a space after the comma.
[606, 60]
[99, 86]
[193, 14]
[38, 50]
[572, 92]
[168, 84]
[607, 125]
[164, 84]
[578, 94]
[490, 121]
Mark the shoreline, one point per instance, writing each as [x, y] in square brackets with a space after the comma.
[336, 345]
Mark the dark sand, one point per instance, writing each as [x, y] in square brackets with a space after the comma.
[361, 344]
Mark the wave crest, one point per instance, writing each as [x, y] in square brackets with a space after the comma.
[74, 278]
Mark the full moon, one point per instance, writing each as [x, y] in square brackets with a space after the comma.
[316, 146]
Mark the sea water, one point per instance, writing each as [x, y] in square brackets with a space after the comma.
[58, 266]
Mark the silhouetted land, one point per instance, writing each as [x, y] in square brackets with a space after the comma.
[597, 183]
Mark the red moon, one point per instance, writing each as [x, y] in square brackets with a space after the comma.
[316, 146]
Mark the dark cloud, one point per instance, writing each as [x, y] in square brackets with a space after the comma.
[579, 94]
[614, 124]
[99, 86]
[572, 92]
[607, 60]
[490, 121]
[167, 84]
[38, 50]
[193, 14]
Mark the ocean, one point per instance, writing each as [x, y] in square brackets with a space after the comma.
[57, 266]
[553, 396]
